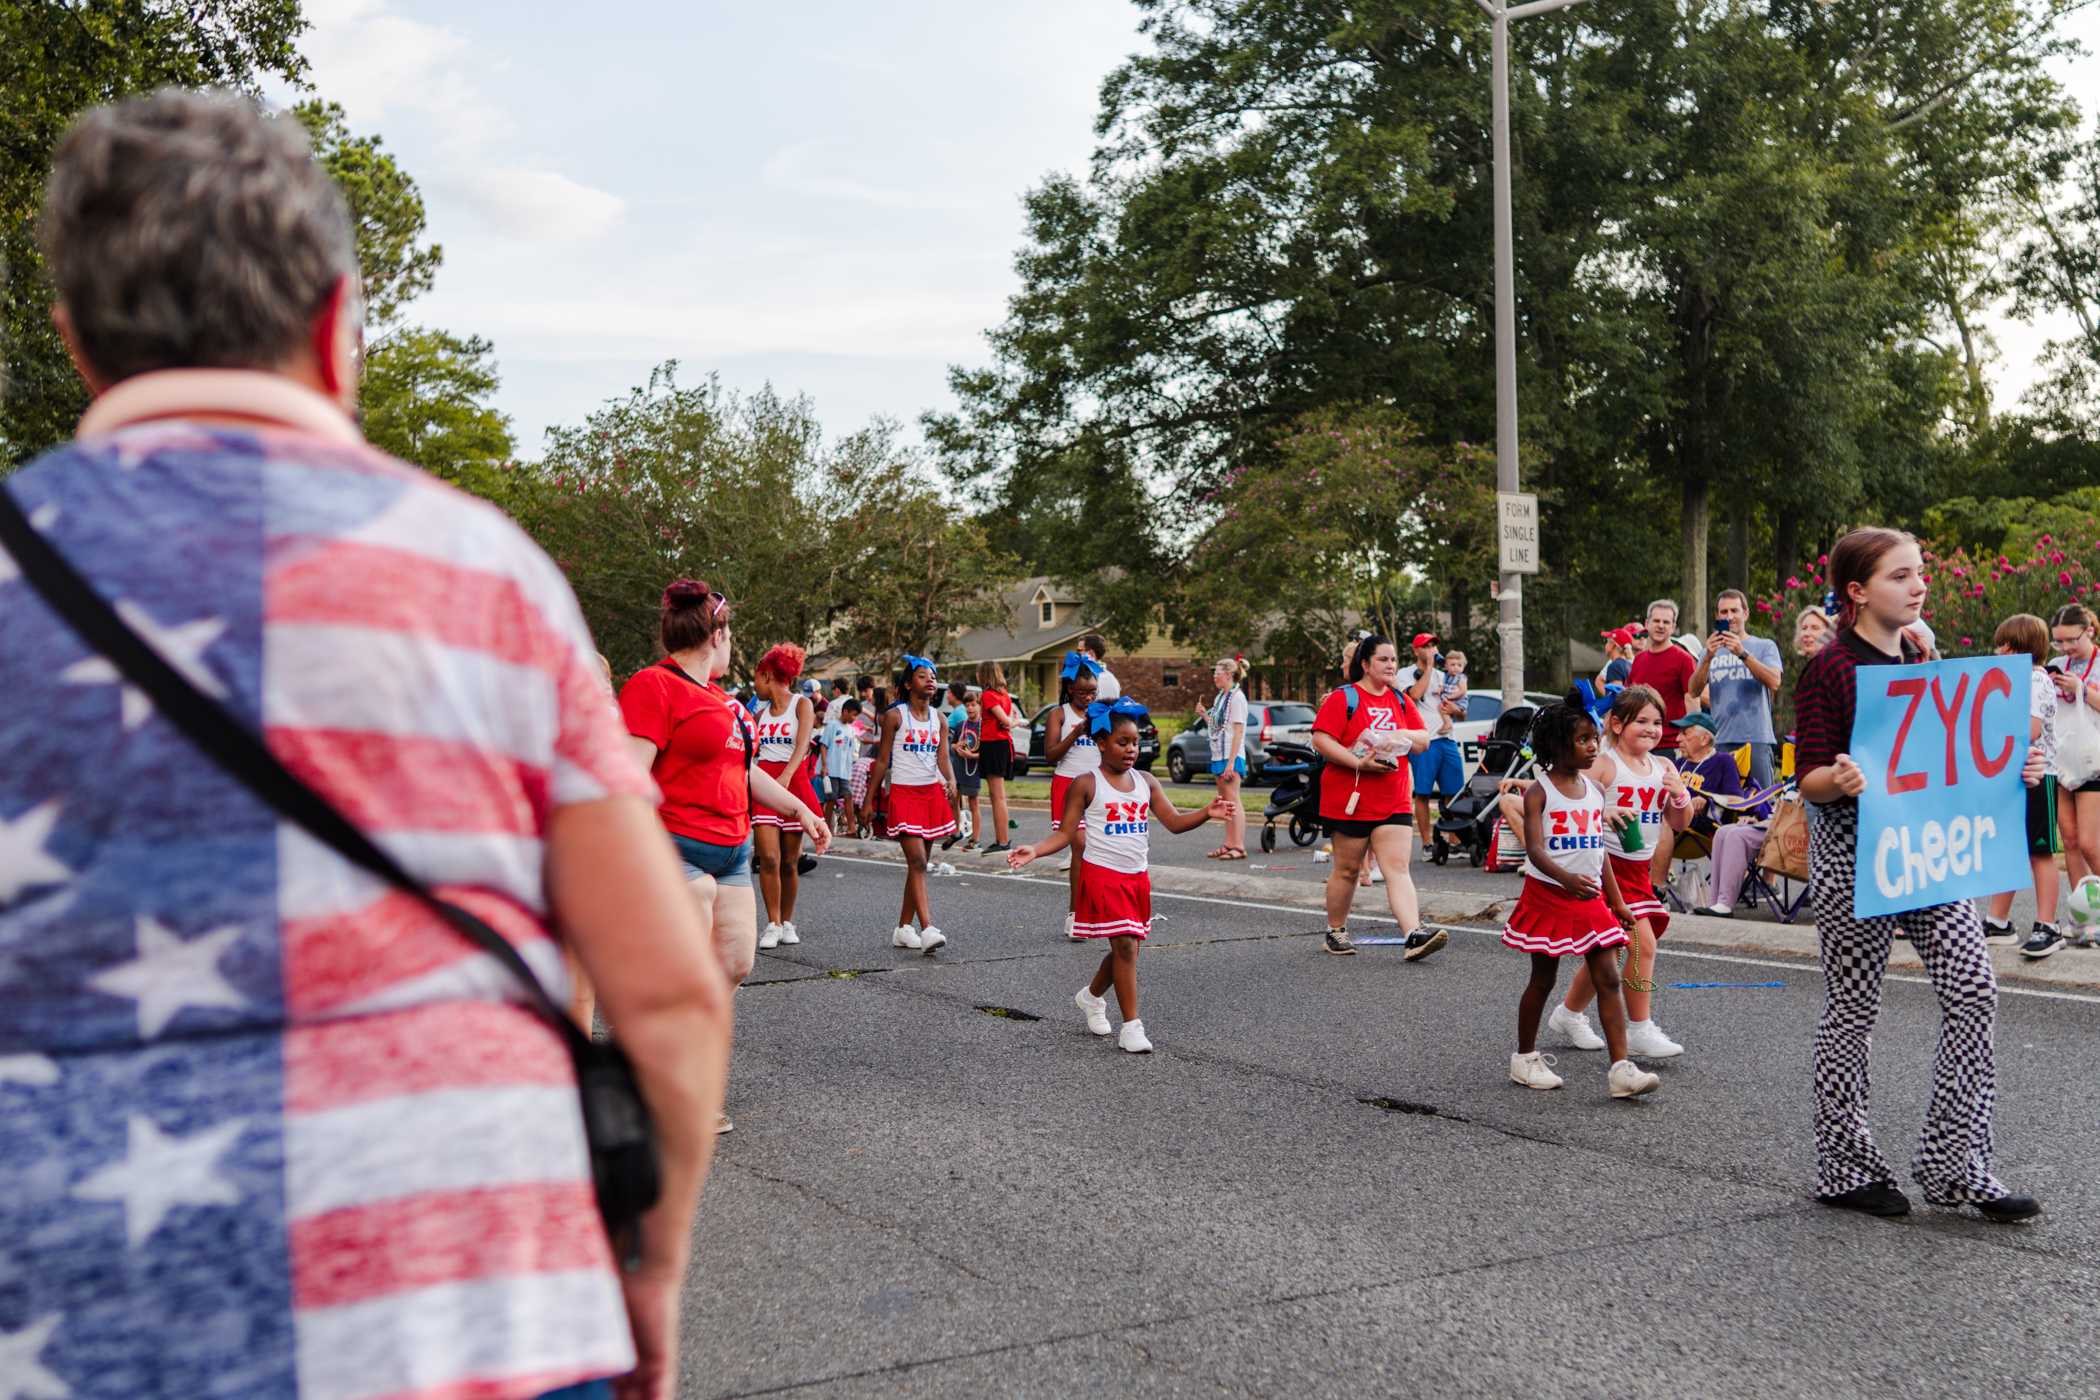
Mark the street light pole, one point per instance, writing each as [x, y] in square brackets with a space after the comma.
[1511, 595]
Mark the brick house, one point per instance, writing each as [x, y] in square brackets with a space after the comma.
[1044, 621]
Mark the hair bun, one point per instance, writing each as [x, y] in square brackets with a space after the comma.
[1575, 700]
[685, 593]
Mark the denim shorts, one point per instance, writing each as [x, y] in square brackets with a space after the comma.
[582, 1390]
[730, 865]
[1239, 766]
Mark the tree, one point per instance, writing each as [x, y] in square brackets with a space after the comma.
[841, 546]
[2058, 269]
[386, 211]
[1720, 211]
[56, 61]
[1350, 522]
[425, 398]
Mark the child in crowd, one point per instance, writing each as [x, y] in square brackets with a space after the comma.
[869, 730]
[1455, 690]
[2024, 634]
[1570, 905]
[1114, 806]
[969, 776]
[841, 743]
[912, 756]
[1649, 806]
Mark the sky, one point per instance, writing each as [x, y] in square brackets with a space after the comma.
[822, 196]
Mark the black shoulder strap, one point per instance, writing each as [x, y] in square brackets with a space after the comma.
[738, 716]
[231, 745]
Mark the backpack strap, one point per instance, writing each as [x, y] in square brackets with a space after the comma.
[1350, 700]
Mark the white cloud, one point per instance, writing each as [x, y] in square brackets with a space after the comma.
[797, 169]
[540, 205]
[381, 65]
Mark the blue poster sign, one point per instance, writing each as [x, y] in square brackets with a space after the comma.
[1944, 816]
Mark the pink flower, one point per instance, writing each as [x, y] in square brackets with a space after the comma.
[1968, 641]
[1822, 559]
[1792, 582]
[2063, 578]
[2046, 539]
[1958, 573]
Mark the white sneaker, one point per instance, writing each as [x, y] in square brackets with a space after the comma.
[770, 938]
[1377, 876]
[931, 939]
[904, 937]
[1132, 1038]
[1071, 931]
[1628, 1080]
[788, 936]
[1576, 1027]
[1065, 869]
[1096, 1009]
[1645, 1038]
[1534, 1071]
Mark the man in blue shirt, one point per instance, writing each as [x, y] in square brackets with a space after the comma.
[1740, 674]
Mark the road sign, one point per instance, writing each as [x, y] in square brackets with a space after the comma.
[1519, 531]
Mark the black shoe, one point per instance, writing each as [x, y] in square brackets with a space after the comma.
[1995, 932]
[1338, 942]
[2040, 944]
[1710, 912]
[805, 864]
[2010, 1210]
[996, 847]
[1422, 942]
[949, 844]
[1875, 1198]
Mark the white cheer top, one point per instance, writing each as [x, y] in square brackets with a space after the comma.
[915, 760]
[1119, 824]
[1641, 790]
[1085, 755]
[1573, 828]
[776, 735]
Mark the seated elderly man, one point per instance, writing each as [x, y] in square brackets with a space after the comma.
[1736, 832]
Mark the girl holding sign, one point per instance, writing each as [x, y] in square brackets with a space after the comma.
[1879, 578]
[1649, 806]
[1570, 905]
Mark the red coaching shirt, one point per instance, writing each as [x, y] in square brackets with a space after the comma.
[1669, 674]
[1378, 795]
[702, 737]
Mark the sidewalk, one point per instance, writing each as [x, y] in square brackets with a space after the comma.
[2070, 968]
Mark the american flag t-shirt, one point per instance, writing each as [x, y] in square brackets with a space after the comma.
[269, 1128]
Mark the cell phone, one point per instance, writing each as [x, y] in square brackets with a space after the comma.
[1720, 625]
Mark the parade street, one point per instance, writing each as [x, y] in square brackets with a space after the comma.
[1323, 1183]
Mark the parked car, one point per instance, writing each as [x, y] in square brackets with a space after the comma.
[1268, 721]
[1039, 735]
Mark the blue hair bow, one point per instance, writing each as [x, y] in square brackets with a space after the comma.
[913, 663]
[1102, 714]
[1075, 663]
[1598, 705]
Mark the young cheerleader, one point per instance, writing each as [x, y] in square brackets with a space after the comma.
[1646, 796]
[786, 726]
[913, 756]
[1068, 744]
[1570, 905]
[1114, 807]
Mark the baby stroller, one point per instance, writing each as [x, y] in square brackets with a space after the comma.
[1474, 817]
[1295, 799]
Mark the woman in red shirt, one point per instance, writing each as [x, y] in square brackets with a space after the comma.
[1365, 731]
[697, 743]
[995, 746]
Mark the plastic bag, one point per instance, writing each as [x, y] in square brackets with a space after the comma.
[2077, 743]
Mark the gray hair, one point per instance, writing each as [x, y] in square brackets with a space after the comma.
[189, 230]
[1670, 603]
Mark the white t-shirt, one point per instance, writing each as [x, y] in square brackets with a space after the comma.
[1432, 705]
[1226, 711]
[1107, 688]
[2041, 704]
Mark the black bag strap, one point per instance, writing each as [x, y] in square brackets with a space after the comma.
[236, 749]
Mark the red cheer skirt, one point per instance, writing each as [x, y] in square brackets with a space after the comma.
[1058, 788]
[1549, 920]
[766, 816]
[920, 811]
[1112, 904]
[1637, 888]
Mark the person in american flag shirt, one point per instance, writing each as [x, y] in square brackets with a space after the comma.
[268, 1128]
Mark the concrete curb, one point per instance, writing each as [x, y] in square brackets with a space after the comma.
[2072, 968]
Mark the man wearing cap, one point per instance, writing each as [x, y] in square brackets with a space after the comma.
[1712, 775]
[1439, 770]
[1618, 657]
[1665, 669]
[1740, 674]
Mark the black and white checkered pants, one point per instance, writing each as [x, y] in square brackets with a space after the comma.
[1953, 1161]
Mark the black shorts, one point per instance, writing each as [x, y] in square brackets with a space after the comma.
[2092, 786]
[995, 758]
[2041, 819]
[1336, 826]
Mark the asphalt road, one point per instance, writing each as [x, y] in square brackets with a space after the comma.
[1323, 1184]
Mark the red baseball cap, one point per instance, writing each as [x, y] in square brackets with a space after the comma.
[1622, 635]
[1425, 639]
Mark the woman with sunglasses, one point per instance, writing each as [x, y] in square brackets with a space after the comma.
[698, 744]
